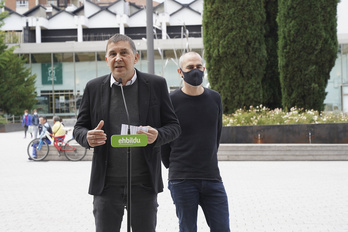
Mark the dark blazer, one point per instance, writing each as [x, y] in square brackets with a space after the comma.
[155, 110]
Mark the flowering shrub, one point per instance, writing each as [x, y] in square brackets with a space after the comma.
[261, 115]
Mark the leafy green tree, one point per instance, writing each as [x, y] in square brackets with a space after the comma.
[307, 51]
[235, 50]
[271, 91]
[3, 46]
[17, 84]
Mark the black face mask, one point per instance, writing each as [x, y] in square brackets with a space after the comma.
[193, 77]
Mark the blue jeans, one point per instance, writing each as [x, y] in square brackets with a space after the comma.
[34, 149]
[109, 208]
[210, 195]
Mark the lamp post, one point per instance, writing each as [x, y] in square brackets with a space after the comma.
[149, 37]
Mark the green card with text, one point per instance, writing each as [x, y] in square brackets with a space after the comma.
[129, 140]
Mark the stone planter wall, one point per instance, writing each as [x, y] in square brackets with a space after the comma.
[297, 133]
[11, 127]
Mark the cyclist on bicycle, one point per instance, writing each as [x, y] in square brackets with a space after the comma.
[44, 126]
[58, 129]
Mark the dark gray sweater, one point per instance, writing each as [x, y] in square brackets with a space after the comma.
[194, 154]
[117, 163]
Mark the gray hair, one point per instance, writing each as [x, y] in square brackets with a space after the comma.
[56, 118]
[119, 37]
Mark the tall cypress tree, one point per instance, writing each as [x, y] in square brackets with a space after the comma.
[307, 50]
[235, 50]
[272, 97]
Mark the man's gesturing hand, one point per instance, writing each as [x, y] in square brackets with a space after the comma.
[97, 136]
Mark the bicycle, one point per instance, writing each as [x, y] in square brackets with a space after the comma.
[38, 149]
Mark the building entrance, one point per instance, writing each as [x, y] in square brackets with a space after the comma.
[62, 102]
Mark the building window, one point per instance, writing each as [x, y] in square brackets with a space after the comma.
[22, 4]
[52, 2]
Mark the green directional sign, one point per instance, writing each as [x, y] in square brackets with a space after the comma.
[129, 140]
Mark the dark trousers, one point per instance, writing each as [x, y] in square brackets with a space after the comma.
[210, 195]
[109, 209]
[25, 131]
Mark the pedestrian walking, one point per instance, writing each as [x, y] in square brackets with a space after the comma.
[26, 122]
[35, 123]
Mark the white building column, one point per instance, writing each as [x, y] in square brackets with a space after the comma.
[164, 19]
[37, 32]
[79, 21]
[164, 30]
[122, 32]
[121, 21]
[79, 33]
[38, 23]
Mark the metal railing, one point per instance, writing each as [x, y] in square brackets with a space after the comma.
[12, 119]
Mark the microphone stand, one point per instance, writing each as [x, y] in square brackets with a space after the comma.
[129, 173]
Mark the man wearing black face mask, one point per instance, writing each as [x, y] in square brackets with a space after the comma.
[194, 176]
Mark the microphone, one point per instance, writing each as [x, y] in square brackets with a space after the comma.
[125, 104]
[129, 165]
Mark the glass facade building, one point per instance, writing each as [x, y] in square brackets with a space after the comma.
[337, 87]
[61, 77]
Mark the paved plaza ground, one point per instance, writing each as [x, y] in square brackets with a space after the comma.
[264, 196]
